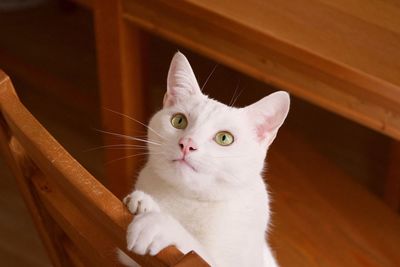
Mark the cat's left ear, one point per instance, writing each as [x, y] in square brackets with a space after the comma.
[181, 81]
[268, 114]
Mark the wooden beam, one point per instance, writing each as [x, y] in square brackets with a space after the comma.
[120, 53]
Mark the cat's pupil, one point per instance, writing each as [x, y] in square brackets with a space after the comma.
[180, 120]
[223, 137]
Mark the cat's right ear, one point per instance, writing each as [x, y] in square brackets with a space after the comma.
[181, 81]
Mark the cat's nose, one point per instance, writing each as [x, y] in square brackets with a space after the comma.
[187, 145]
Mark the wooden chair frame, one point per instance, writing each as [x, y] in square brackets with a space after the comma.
[80, 222]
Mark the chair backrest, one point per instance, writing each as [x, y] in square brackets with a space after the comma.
[80, 222]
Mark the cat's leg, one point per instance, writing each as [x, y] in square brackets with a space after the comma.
[153, 231]
[137, 202]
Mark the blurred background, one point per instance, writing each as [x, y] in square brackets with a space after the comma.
[48, 48]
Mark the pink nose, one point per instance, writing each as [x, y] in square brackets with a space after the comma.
[187, 145]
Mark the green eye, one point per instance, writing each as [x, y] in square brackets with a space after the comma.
[179, 121]
[224, 138]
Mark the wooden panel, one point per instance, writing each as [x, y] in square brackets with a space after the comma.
[120, 56]
[349, 90]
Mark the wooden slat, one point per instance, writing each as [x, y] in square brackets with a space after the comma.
[234, 37]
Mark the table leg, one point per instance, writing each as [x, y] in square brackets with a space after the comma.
[392, 187]
[120, 54]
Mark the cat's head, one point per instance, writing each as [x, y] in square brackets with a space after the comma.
[204, 146]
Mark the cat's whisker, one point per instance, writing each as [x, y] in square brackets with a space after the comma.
[127, 148]
[128, 137]
[237, 97]
[116, 146]
[209, 76]
[130, 156]
[233, 96]
[135, 120]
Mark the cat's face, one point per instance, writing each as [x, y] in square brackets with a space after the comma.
[204, 145]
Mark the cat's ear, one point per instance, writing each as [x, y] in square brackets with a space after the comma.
[268, 114]
[181, 81]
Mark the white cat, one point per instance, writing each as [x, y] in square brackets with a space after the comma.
[202, 187]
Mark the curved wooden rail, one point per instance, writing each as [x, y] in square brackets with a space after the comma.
[79, 220]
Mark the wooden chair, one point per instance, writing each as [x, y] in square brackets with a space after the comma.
[80, 222]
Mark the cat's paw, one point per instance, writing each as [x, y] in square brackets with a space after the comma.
[151, 232]
[139, 202]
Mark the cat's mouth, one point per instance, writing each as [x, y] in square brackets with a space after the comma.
[184, 162]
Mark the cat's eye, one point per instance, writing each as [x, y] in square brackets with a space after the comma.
[224, 138]
[179, 121]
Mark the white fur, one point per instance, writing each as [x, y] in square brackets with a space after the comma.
[219, 207]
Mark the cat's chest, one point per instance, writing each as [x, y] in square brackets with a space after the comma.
[187, 210]
[200, 218]
[248, 209]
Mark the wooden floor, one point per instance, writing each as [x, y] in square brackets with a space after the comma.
[325, 173]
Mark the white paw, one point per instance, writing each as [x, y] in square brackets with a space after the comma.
[150, 233]
[139, 202]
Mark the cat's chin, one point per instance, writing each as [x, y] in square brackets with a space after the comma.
[193, 185]
[183, 165]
